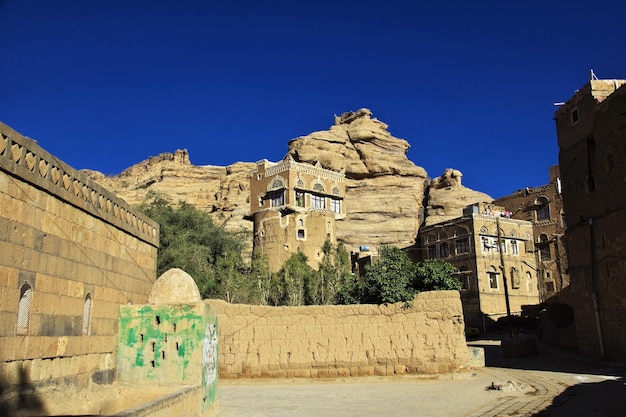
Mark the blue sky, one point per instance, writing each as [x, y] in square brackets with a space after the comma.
[471, 85]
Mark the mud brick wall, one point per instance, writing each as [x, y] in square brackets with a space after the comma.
[71, 253]
[339, 341]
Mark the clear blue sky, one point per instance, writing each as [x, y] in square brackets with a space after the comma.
[471, 85]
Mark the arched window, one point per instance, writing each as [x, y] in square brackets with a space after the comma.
[515, 278]
[529, 281]
[23, 309]
[461, 244]
[542, 208]
[300, 183]
[318, 186]
[493, 277]
[87, 315]
[336, 191]
[277, 183]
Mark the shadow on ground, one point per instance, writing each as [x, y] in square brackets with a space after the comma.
[603, 398]
[547, 358]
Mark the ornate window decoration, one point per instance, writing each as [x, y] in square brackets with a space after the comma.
[319, 187]
[443, 236]
[300, 183]
[484, 230]
[277, 183]
[336, 191]
[431, 239]
[513, 233]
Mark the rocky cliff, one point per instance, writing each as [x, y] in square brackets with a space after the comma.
[385, 194]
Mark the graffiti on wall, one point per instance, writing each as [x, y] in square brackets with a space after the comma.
[209, 354]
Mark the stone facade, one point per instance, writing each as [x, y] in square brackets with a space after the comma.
[591, 131]
[294, 207]
[471, 244]
[340, 341]
[543, 207]
[72, 252]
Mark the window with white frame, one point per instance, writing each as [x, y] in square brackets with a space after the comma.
[318, 202]
[335, 205]
[277, 198]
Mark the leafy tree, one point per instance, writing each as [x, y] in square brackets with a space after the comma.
[388, 280]
[294, 276]
[189, 240]
[435, 274]
[268, 285]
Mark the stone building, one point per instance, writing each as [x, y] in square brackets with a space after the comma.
[591, 130]
[489, 250]
[543, 207]
[72, 253]
[294, 207]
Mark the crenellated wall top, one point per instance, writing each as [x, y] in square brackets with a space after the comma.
[24, 158]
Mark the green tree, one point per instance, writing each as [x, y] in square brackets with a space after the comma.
[435, 274]
[189, 240]
[294, 276]
[388, 280]
[270, 292]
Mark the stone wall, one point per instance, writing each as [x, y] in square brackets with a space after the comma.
[332, 341]
[72, 252]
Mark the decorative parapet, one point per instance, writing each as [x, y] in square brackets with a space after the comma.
[288, 163]
[502, 219]
[24, 158]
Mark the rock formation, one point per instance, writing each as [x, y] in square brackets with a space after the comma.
[385, 193]
[221, 191]
[384, 190]
[447, 197]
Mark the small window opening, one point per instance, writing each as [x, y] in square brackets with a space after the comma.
[163, 354]
[23, 310]
[177, 346]
[153, 346]
[141, 337]
[152, 363]
[86, 314]
[157, 319]
[300, 233]
[575, 116]
[174, 326]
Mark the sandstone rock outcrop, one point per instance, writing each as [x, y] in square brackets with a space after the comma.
[221, 191]
[447, 197]
[384, 189]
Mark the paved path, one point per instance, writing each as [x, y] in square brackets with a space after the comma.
[539, 385]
